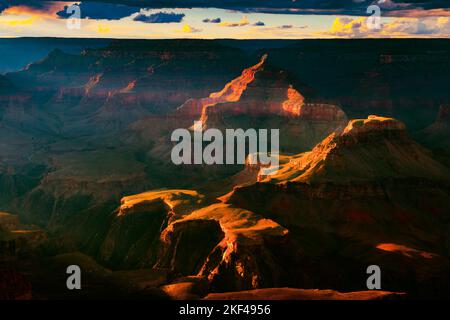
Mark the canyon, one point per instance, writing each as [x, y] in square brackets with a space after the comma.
[85, 169]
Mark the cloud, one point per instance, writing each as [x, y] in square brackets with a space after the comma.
[259, 24]
[391, 5]
[419, 13]
[216, 20]
[17, 22]
[35, 8]
[290, 26]
[32, 5]
[343, 26]
[342, 7]
[394, 8]
[98, 10]
[160, 17]
[244, 22]
[437, 27]
[282, 31]
[401, 27]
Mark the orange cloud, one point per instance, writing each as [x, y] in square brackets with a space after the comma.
[47, 11]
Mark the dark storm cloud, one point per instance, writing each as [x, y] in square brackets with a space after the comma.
[99, 10]
[259, 24]
[349, 7]
[160, 17]
[215, 20]
[425, 4]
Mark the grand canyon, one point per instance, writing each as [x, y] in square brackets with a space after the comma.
[364, 178]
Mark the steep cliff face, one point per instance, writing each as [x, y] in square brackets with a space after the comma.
[186, 244]
[133, 236]
[250, 252]
[234, 249]
[370, 183]
[266, 97]
[133, 239]
[260, 90]
[367, 149]
[371, 158]
[232, 92]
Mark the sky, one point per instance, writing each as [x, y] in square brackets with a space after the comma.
[251, 19]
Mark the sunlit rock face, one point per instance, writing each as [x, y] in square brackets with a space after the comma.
[260, 90]
[367, 183]
[232, 92]
[391, 201]
[264, 96]
[372, 124]
[372, 148]
[133, 240]
[181, 231]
